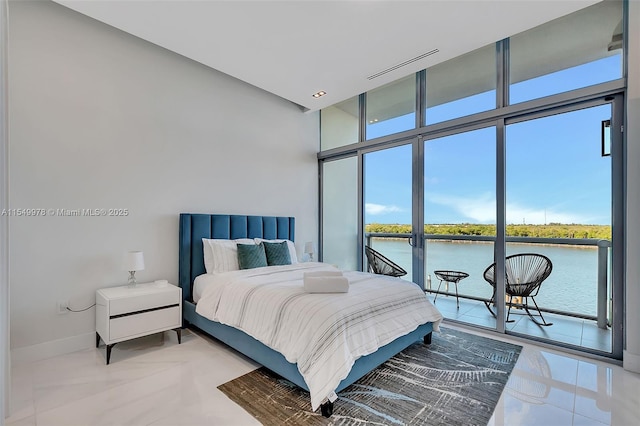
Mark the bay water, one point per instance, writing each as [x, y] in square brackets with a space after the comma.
[571, 287]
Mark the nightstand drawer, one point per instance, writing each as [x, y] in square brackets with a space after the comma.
[143, 301]
[129, 326]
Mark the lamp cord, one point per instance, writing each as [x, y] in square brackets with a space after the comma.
[81, 310]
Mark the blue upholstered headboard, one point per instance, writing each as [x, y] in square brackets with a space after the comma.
[195, 227]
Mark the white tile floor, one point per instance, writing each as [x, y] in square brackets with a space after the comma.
[155, 381]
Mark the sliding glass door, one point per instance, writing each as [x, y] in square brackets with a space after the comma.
[460, 223]
[388, 205]
[560, 177]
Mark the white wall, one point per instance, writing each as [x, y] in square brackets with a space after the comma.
[100, 119]
[632, 295]
[5, 382]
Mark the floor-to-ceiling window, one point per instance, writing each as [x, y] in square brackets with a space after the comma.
[497, 145]
[340, 126]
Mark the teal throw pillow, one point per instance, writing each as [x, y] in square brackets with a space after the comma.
[251, 256]
[277, 253]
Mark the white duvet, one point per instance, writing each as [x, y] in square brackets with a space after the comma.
[322, 333]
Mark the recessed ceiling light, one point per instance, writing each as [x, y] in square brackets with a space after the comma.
[320, 93]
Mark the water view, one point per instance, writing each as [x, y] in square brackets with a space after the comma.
[571, 287]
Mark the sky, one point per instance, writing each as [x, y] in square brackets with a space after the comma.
[555, 172]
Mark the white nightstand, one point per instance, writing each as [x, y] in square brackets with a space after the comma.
[124, 313]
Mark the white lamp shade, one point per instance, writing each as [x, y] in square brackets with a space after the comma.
[134, 261]
[309, 247]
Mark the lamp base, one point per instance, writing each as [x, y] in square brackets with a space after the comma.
[131, 282]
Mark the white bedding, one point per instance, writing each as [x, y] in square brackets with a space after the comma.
[199, 284]
[322, 333]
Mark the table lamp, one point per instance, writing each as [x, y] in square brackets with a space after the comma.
[309, 248]
[133, 261]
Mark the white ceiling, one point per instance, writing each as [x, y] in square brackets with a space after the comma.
[297, 48]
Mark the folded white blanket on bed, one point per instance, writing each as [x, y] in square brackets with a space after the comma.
[325, 282]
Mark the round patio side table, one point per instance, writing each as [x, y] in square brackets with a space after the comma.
[451, 277]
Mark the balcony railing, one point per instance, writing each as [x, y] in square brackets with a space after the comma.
[603, 297]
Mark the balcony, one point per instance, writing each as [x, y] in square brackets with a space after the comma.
[576, 297]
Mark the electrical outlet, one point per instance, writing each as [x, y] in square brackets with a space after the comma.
[62, 307]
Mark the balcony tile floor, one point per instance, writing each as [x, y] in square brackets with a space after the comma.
[565, 329]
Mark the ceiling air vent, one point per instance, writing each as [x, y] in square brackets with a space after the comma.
[402, 64]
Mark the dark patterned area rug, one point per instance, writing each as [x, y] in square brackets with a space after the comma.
[457, 380]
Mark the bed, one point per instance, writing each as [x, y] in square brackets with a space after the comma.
[194, 227]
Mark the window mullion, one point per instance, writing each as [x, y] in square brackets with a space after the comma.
[502, 73]
[421, 98]
[362, 117]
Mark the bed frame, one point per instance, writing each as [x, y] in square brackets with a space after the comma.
[194, 227]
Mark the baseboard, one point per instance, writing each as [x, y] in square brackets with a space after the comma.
[53, 348]
[631, 361]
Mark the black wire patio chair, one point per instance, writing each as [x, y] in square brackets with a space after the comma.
[524, 273]
[379, 264]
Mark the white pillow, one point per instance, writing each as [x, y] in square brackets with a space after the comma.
[292, 247]
[222, 255]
